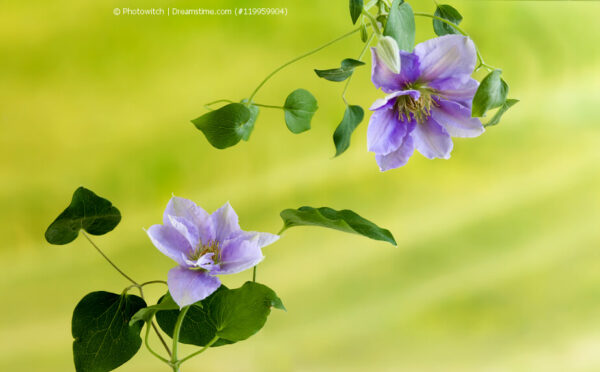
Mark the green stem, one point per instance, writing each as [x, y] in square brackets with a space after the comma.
[153, 282]
[254, 274]
[362, 53]
[207, 106]
[373, 22]
[148, 345]
[480, 62]
[269, 106]
[297, 59]
[201, 350]
[109, 260]
[135, 284]
[174, 361]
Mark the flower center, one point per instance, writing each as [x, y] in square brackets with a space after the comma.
[419, 109]
[201, 250]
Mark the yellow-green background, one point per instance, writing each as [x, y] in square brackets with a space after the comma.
[498, 260]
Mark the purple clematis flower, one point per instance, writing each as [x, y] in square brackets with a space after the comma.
[204, 245]
[428, 102]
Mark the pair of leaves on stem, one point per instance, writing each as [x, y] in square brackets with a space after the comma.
[492, 93]
[228, 125]
[354, 114]
[106, 326]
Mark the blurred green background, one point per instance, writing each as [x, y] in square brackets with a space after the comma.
[498, 263]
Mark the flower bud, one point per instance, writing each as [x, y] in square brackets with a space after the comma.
[387, 50]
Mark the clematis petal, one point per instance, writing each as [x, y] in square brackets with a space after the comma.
[264, 239]
[456, 119]
[446, 56]
[190, 286]
[239, 254]
[398, 158]
[432, 140]
[386, 79]
[187, 209]
[389, 100]
[385, 132]
[185, 228]
[225, 221]
[170, 242]
[381, 75]
[459, 89]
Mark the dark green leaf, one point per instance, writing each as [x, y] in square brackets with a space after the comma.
[342, 73]
[196, 328]
[344, 220]
[496, 118]
[400, 25]
[240, 313]
[231, 314]
[353, 116]
[248, 126]
[227, 125]
[491, 94]
[87, 211]
[104, 340]
[166, 303]
[448, 13]
[299, 107]
[356, 7]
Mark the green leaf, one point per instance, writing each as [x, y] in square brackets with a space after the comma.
[364, 35]
[226, 126]
[146, 314]
[196, 328]
[353, 116]
[448, 13]
[496, 118]
[299, 108]
[342, 73]
[104, 340]
[231, 314]
[248, 126]
[344, 220]
[400, 25]
[87, 211]
[356, 7]
[240, 313]
[491, 94]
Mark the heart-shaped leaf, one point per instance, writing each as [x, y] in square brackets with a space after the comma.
[231, 314]
[196, 328]
[400, 25]
[87, 211]
[341, 73]
[344, 220]
[491, 94]
[449, 13]
[104, 340]
[496, 118]
[146, 314]
[299, 108]
[226, 126]
[356, 7]
[353, 116]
